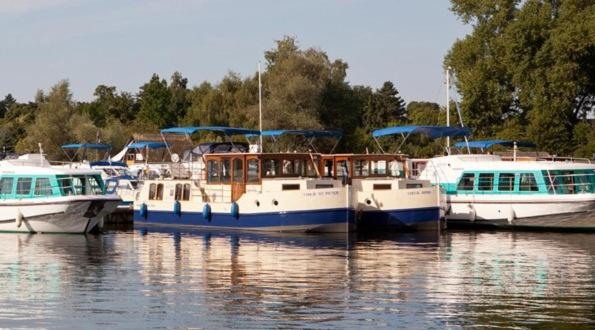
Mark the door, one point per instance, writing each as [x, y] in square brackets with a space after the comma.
[238, 184]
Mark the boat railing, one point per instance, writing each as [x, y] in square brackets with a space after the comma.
[565, 159]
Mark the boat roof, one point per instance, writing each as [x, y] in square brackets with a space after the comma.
[218, 129]
[495, 163]
[147, 144]
[484, 144]
[305, 133]
[36, 164]
[433, 132]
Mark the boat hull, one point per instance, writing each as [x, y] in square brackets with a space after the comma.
[323, 220]
[77, 216]
[427, 218]
[565, 212]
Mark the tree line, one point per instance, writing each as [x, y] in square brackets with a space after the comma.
[525, 72]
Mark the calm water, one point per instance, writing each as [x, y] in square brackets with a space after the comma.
[153, 279]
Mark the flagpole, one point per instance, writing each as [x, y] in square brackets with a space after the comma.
[260, 107]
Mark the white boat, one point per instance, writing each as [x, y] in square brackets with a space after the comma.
[382, 196]
[248, 191]
[116, 175]
[484, 189]
[36, 197]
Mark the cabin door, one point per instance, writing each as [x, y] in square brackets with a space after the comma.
[343, 170]
[238, 184]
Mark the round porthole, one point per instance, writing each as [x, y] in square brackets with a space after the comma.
[368, 201]
[275, 202]
[257, 204]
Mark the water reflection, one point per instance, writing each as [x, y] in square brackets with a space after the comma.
[152, 277]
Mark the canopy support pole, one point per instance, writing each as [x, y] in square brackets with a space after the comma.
[336, 144]
[378, 144]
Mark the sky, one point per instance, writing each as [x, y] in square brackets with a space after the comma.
[123, 42]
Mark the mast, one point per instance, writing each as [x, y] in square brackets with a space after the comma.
[260, 107]
[448, 107]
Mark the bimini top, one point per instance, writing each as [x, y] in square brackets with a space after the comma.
[484, 144]
[147, 144]
[433, 132]
[306, 133]
[219, 129]
[98, 146]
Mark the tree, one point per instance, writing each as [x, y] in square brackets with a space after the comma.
[179, 100]
[6, 104]
[528, 63]
[53, 125]
[155, 99]
[385, 107]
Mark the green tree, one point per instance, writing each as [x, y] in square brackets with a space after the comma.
[527, 63]
[6, 104]
[179, 96]
[53, 125]
[155, 99]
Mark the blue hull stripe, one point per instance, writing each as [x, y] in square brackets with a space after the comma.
[260, 220]
[419, 217]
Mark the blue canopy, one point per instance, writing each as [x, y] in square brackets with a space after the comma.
[433, 132]
[306, 133]
[219, 129]
[147, 144]
[488, 143]
[107, 163]
[98, 146]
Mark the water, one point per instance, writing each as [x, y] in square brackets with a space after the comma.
[155, 279]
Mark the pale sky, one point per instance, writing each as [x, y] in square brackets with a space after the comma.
[123, 42]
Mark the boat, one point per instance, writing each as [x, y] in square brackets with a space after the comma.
[486, 190]
[36, 197]
[116, 175]
[382, 196]
[277, 192]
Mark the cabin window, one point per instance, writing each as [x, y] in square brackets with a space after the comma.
[485, 182]
[65, 185]
[79, 185]
[152, 191]
[467, 182]
[382, 186]
[342, 168]
[290, 187]
[238, 170]
[506, 182]
[527, 182]
[6, 186]
[24, 186]
[43, 187]
[159, 194]
[378, 167]
[395, 168]
[328, 168]
[253, 170]
[186, 195]
[213, 171]
[225, 171]
[311, 169]
[95, 184]
[361, 167]
[179, 191]
[296, 167]
[272, 167]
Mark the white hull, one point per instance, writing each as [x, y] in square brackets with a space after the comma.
[515, 208]
[58, 215]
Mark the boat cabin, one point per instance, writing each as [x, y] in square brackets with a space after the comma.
[570, 181]
[359, 166]
[20, 186]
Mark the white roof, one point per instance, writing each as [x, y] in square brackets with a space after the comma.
[495, 163]
[36, 164]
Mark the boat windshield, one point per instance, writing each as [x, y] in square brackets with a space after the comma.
[80, 185]
[570, 181]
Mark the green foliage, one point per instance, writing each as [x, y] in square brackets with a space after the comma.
[526, 63]
[155, 104]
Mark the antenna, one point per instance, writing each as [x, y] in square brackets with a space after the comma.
[448, 107]
[260, 107]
